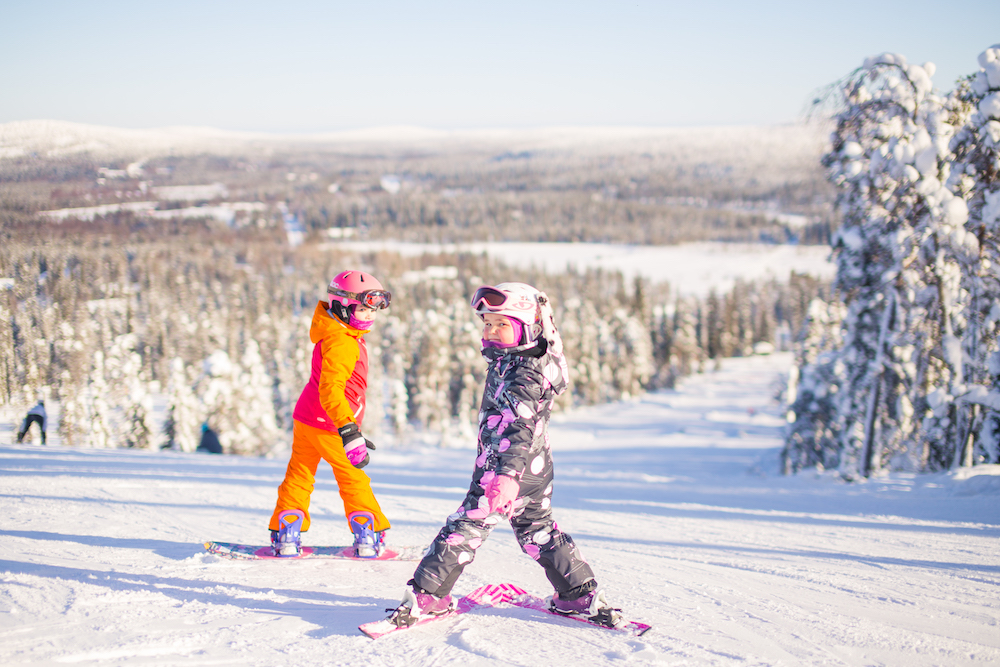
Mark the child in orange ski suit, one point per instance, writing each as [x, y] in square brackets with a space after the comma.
[328, 416]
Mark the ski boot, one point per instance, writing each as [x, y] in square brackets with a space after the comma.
[592, 606]
[287, 541]
[368, 543]
[417, 606]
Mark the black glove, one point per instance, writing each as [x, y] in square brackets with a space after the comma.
[355, 445]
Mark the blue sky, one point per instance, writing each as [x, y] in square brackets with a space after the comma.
[326, 66]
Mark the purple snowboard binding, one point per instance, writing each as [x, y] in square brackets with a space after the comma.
[286, 542]
[367, 542]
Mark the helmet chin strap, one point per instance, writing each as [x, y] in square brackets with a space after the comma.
[339, 311]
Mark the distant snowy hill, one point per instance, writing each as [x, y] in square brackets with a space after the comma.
[788, 145]
[673, 498]
[52, 138]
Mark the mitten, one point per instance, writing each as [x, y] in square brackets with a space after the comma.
[501, 492]
[356, 446]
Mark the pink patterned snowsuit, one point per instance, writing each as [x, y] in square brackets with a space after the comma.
[521, 386]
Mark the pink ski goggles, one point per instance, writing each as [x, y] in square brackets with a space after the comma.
[376, 299]
[490, 297]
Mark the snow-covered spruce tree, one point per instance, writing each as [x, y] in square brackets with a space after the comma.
[686, 354]
[661, 335]
[884, 159]
[581, 336]
[134, 426]
[467, 374]
[237, 400]
[393, 354]
[429, 378]
[633, 350]
[812, 440]
[7, 365]
[184, 412]
[975, 176]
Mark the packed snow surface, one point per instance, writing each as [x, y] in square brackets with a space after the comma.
[692, 269]
[674, 498]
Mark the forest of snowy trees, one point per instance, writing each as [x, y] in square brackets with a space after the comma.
[148, 313]
[218, 329]
[897, 361]
[903, 370]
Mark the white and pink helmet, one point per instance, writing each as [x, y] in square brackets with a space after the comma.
[516, 300]
[357, 288]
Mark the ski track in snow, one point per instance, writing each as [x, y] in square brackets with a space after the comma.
[673, 497]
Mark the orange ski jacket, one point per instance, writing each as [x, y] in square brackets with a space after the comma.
[335, 393]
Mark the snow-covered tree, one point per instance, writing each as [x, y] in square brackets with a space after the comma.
[236, 401]
[813, 440]
[631, 354]
[882, 156]
[428, 380]
[917, 174]
[184, 415]
[975, 177]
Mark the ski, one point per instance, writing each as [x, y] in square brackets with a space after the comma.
[255, 552]
[492, 595]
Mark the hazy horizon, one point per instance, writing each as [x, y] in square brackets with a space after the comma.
[335, 67]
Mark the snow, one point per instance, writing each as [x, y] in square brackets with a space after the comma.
[223, 212]
[990, 106]
[673, 497]
[191, 192]
[693, 269]
[90, 212]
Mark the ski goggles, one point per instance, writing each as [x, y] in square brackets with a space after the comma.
[376, 299]
[490, 297]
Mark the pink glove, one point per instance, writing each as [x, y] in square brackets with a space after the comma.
[501, 492]
[356, 446]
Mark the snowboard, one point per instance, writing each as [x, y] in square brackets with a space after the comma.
[492, 595]
[525, 600]
[254, 552]
[484, 595]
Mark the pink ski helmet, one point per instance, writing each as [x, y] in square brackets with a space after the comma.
[357, 288]
[515, 300]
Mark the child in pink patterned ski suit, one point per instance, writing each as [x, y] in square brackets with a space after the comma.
[513, 471]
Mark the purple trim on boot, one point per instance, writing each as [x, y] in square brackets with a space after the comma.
[578, 606]
[428, 605]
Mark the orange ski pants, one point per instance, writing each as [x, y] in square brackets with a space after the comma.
[309, 445]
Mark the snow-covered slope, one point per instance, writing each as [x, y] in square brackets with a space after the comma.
[674, 498]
